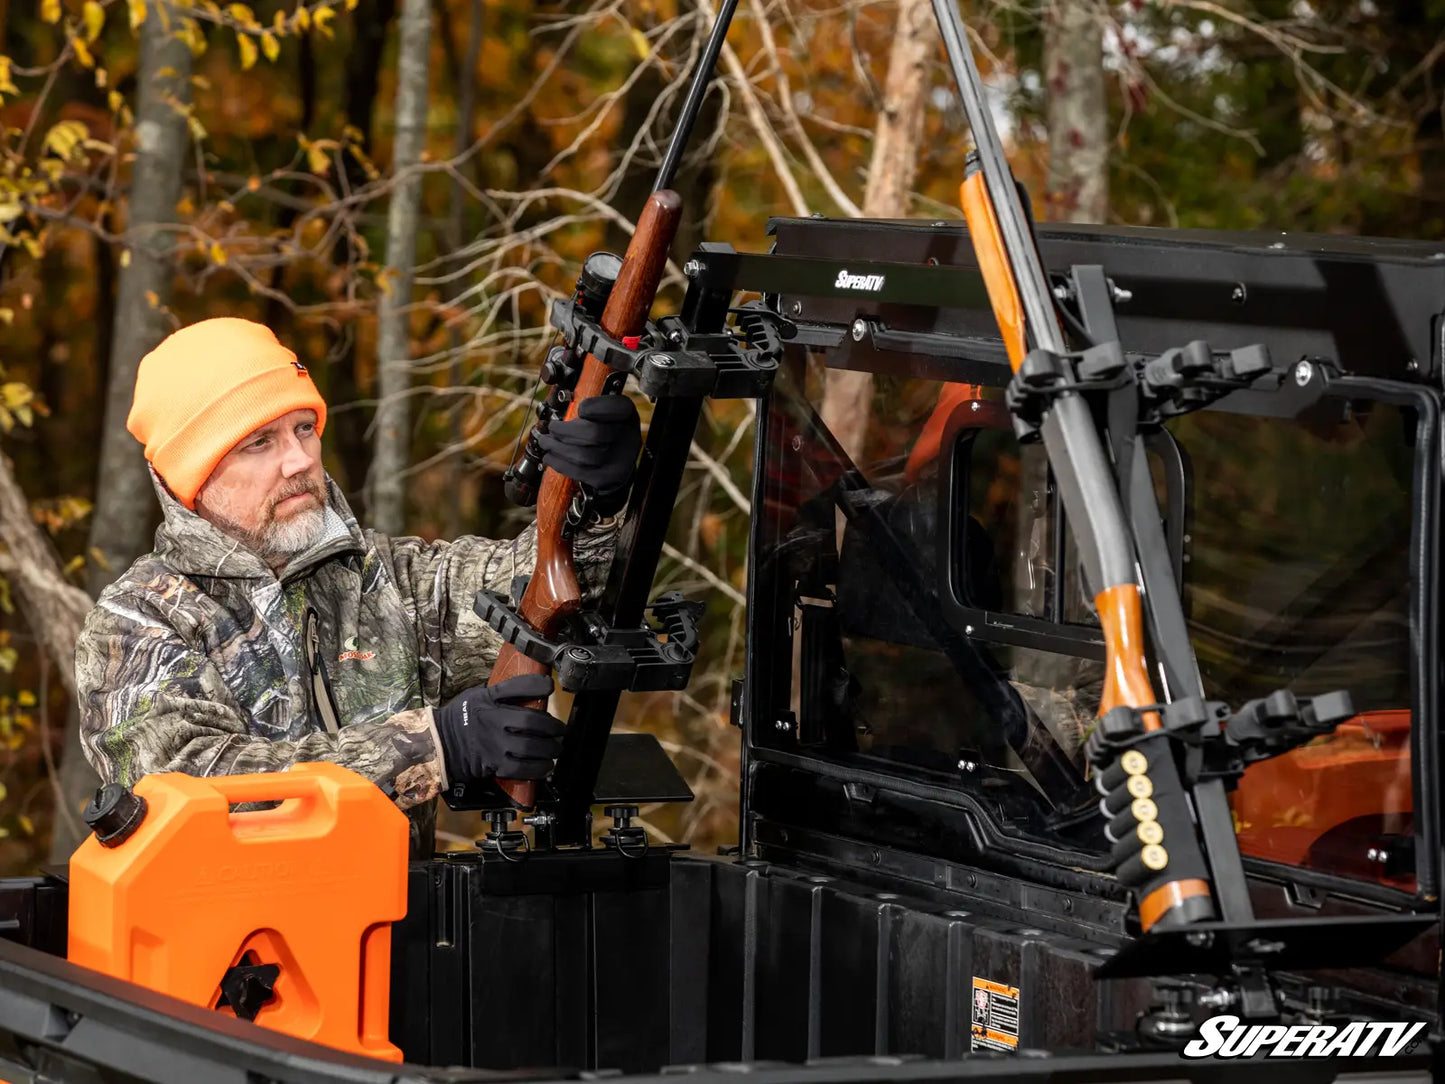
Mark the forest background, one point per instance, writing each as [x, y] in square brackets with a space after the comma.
[400, 187]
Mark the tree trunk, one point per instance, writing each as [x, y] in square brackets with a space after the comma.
[457, 473]
[393, 429]
[125, 506]
[1078, 113]
[848, 396]
[54, 608]
[348, 430]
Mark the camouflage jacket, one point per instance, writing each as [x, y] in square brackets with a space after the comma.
[193, 661]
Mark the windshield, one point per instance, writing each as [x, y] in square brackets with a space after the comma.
[939, 625]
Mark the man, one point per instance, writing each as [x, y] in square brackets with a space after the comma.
[266, 628]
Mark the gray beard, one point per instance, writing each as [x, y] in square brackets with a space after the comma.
[285, 539]
[280, 540]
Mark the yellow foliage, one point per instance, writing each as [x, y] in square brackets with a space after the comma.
[242, 14]
[50, 10]
[321, 20]
[65, 138]
[6, 86]
[641, 44]
[302, 17]
[137, 10]
[218, 254]
[270, 46]
[93, 16]
[248, 51]
[82, 53]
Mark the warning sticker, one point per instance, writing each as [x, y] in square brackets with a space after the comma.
[995, 1016]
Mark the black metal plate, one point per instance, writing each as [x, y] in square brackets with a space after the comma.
[636, 769]
[1280, 944]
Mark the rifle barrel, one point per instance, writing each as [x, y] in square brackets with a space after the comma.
[692, 104]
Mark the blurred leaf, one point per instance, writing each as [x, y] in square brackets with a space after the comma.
[137, 9]
[242, 14]
[25, 698]
[93, 16]
[303, 17]
[6, 86]
[270, 46]
[26, 824]
[65, 137]
[218, 254]
[4, 792]
[125, 257]
[321, 20]
[82, 53]
[50, 11]
[248, 51]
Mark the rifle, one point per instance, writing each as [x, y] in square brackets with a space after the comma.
[626, 293]
[1166, 861]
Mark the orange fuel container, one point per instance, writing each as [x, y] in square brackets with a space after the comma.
[295, 902]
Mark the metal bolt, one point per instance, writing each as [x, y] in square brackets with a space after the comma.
[859, 330]
[1120, 294]
[1200, 938]
[674, 336]
[662, 361]
[1238, 294]
[797, 444]
[1373, 854]
[966, 765]
[538, 820]
[974, 406]
[783, 725]
[1061, 292]
[1304, 372]
[691, 268]
[796, 308]
[1413, 365]
[580, 654]
[968, 630]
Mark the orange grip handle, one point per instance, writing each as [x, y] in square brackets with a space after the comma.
[1126, 680]
[993, 264]
[274, 787]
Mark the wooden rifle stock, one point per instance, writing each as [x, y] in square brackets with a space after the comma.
[552, 594]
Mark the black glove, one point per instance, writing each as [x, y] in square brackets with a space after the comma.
[597, 448]
[489, 731]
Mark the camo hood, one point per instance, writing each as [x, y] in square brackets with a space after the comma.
[195, 659]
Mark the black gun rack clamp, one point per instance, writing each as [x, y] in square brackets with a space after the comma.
[1203, 747]
[678, 361]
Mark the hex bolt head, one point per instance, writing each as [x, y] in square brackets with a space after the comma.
[691, 268]
[1304, 372]
[859, 330]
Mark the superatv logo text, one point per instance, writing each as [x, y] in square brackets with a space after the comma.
[845, 281]
[1226, 1037]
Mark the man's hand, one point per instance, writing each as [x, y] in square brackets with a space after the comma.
[488, 731]
[597, 448]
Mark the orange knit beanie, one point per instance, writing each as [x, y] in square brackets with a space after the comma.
[207, 386]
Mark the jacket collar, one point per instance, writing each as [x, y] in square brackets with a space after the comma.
[192, 546]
